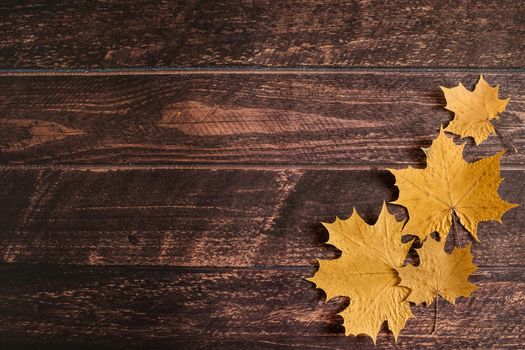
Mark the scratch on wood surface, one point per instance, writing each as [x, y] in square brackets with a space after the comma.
[286, 182]
[42, 187]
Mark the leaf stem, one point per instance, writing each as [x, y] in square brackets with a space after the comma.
[436, 308]
[458, 242]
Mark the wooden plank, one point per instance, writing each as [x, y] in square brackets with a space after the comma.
[256, 308]
[208, 218]
[343, 120]
[97, 34]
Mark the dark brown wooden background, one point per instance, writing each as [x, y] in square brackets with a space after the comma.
[165, 165]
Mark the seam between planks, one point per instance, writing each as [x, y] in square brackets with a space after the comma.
[205, 269]
[224, 166]
[252, 70]
[215, 269]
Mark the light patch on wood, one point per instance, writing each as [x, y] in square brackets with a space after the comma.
[195, 118]
[38, 131]
[94, 258]
[167, 241]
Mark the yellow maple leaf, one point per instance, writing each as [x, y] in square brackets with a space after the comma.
[474, 110]
[449, 184]
[439, 273]
[366, 273]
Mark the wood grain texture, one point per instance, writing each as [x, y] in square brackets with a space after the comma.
[102, 34]
[184, 210]
[202, 218]
[346, 120]
[123, 307]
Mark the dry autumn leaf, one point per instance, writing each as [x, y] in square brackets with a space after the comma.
[366, 273]
[450, 185]
[474, 110]
[439, 273]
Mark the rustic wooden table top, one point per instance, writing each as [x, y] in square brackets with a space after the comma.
[165, 166]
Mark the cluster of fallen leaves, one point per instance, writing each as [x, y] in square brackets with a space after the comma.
[371, 270]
